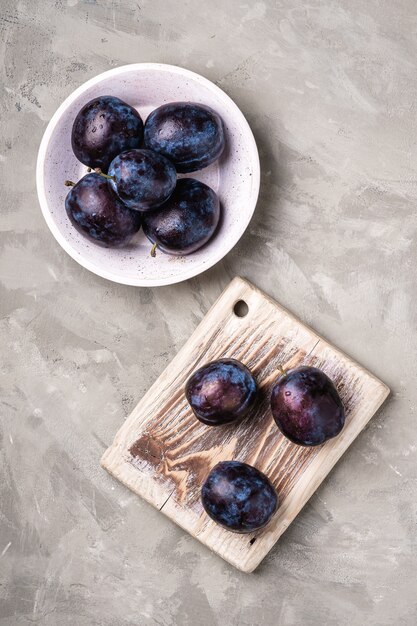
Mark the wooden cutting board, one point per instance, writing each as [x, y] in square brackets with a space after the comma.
[163, 453]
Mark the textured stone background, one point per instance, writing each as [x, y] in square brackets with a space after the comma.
[330, 90]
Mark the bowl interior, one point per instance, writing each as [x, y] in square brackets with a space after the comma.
[235, 177]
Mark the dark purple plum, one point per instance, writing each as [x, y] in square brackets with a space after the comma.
[222, 391]
[186, 221]
[239, 497]
[97, 213]
[306, 406]
[191, 135]
[102, 129]
[142, 179]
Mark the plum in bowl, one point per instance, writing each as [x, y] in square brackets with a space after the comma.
[234, 176]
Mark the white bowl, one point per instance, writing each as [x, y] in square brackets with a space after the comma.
[235, 177]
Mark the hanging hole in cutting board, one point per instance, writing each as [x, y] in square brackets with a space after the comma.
[241, 309]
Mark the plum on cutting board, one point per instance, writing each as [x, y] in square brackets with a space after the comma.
[103, 128]
[191, 135]
[98, 214]
[221, 392]
[186, 221]
[142, 179]
[307, 407]
[239, 497]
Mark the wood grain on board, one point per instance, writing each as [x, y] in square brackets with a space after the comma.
[163, 453]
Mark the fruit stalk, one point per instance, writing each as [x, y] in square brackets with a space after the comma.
[101, 173]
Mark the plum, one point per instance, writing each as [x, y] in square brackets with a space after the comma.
[103, 128]
[221, 392]
[239, 497]
[142, 179]
[97, 213]
[307, 407]
[191, 135]
[186, 221]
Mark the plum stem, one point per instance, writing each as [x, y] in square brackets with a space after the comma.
[282, 370]
[98, 171]
[69, 183]
[153, 250]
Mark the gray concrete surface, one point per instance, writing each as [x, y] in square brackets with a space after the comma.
[330, 90]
